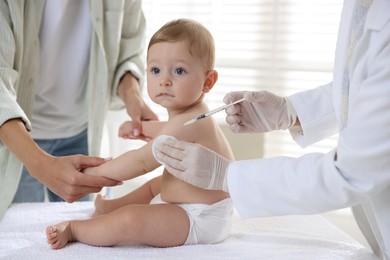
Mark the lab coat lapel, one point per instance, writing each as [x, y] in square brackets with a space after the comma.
[378, 15]
[339, 64]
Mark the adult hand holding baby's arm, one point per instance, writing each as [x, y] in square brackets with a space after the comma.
[61, 174]
[137, 109]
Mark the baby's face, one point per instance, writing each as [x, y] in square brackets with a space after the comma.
[175, 78]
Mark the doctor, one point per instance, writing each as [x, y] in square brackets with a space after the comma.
[356, 104]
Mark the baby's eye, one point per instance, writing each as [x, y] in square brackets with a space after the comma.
[155, 70]
[180, 71]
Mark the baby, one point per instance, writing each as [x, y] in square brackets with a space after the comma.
[180, 72]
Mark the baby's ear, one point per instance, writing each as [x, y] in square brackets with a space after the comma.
[211, 79]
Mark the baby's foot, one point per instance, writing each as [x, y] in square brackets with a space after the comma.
[100, 205]
[59, 235]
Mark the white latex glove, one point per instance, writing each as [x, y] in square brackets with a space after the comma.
[192, 163]
[260, 112]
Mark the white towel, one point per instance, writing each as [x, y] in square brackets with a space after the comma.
[22, 236]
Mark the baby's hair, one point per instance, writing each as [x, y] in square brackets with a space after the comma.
[199, 39]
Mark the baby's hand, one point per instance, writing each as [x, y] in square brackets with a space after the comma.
[128, 131]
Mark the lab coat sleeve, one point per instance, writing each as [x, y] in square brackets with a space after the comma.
[131, 50]
[357, 170]
[316, 115]
[9, 108]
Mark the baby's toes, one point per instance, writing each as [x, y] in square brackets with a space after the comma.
[51, 234]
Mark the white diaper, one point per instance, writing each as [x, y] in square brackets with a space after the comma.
[209, 223]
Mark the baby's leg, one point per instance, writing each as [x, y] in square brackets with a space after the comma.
[159, 225]
[142, 195]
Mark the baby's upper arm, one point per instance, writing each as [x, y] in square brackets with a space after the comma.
[152, 128]
[175, 127]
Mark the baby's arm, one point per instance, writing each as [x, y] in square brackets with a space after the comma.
[149, 130]
[127, 166]
[137, 162]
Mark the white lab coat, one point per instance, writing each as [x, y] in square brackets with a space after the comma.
[354, 174]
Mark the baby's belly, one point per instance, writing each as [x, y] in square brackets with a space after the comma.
[177, 191]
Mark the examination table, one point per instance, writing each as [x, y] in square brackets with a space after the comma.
[22, 236]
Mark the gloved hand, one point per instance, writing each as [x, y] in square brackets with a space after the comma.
[192, 163]
[260, 112]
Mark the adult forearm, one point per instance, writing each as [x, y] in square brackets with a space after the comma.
[60, 174]
[128, 87]
[15, 136]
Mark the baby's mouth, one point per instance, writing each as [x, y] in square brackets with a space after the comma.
[164, 94]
